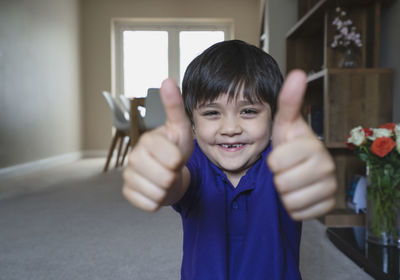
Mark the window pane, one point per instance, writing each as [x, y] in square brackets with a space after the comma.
[145, 61]
[192, 43]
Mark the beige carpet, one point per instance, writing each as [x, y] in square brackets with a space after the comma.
[71, 222]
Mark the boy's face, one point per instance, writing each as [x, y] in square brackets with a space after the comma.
[232, 134]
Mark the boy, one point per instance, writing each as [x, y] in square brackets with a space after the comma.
[237, 192]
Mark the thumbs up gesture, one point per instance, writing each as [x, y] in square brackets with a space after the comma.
[155, 174]
[303, 168]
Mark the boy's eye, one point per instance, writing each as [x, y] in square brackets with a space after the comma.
[249, 111]
[210, 113]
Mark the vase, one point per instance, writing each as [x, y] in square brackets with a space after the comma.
[350, 58]
[383, 207]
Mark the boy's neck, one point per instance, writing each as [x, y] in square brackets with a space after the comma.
[234, 178]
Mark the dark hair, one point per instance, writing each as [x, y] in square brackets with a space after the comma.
[228, 67]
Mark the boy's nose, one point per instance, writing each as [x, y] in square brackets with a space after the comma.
[230, 126]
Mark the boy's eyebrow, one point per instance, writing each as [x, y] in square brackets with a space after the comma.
[211, 104]
[240, 103]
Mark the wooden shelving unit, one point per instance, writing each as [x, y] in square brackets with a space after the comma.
[339, 99]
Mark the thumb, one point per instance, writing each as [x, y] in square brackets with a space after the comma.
[178, 126]
[289, 122]
[173, 104]
[291, 97]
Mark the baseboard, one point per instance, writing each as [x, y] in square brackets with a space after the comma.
[29, 167]
[94, 153]
[36, 165]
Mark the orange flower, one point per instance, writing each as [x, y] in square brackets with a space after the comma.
[390, 126]
[382, 146]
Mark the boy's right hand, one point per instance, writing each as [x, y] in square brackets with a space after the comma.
[153, 176]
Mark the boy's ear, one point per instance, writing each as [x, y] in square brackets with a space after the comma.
[193, 130]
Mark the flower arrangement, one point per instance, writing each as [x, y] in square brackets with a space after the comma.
[346, 34]
[379, 148]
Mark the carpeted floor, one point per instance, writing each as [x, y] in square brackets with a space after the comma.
[71, 222]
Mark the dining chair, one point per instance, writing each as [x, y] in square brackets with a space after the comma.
[155, 113]
[153, 117]
[126, 103]
[122, 126]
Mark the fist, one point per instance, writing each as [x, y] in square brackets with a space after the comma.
[154, 174]
[304, 172]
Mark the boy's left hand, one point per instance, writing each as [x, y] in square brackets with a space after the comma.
[304, 170]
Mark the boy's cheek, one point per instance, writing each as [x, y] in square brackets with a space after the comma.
[264, 130]
[197, 123]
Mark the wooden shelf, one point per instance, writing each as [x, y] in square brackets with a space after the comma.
[308, 41]
[336, 145]
[347, 71]
[309, 23]
[367, 71]
[339, 99]
[315, 76]
[355, 97]
[348, 98]
[343, 218]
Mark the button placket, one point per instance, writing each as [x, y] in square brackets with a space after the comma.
[235, 205]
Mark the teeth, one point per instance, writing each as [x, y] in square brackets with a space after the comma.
[232, 146]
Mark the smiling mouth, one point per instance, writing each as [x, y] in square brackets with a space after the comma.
[232, 147]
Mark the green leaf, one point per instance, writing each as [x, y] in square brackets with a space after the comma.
[386, 181]
[363, 157]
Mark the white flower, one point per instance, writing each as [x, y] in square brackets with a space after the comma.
[380, 132]
[397, 133]
[357, 136]
[345, 30]
[397, 130]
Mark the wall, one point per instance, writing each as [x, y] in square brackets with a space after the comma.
[280, 16]
[40, 111]
[390, 46]
[96, 20]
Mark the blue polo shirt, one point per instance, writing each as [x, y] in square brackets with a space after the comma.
[236, 233]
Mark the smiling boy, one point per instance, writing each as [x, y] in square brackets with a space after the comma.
[238, 192]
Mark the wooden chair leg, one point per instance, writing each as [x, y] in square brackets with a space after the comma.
[126, 151]
[111, 150]
[121, 142]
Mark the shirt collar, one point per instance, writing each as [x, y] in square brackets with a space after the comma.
[248, 181]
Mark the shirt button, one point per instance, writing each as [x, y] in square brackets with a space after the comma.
[235, 205]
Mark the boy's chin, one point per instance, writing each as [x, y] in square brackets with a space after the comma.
[235, 170]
